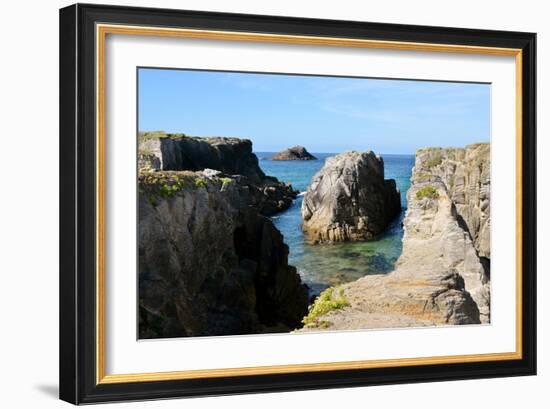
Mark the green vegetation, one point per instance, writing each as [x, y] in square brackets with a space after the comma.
[225, 181]
[168, 190]
[164, 184]
[153, 200]
[434, 161]
[327, 301]
[427, 191]
[422, 176]
[200, 182]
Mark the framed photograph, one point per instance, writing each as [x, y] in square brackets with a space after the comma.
[257, 203]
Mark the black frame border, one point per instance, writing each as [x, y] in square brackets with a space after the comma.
[78, 204]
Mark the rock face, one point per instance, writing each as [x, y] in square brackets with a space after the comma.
[349, 199]
[294, 153]
[466, 175]
[209, 262]
[232, 156]
[440, 278]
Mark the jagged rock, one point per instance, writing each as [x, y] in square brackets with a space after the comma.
[294, 153]
[209, 262]
[466, 173]
[440, 278]
[231, 156]
[349, 200]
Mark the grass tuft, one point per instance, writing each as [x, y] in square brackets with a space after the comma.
[329, 300]
[200, 182]
[427, 191]
[434, 161]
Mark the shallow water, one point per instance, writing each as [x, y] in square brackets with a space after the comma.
[321, 266]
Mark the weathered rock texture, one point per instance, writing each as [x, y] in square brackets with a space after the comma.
[294, 153]
[440, 278]
[349, 199]
[232, 156]
[209, 262]
[466, 175]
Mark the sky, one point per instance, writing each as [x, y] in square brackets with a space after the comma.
[324, 114]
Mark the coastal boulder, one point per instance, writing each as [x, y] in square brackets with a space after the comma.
[294, 153]
[349, 199]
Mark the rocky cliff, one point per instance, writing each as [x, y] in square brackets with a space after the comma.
[294, 153]
[349, 199]
[441, 276]
[209, 262]
[466, 175]
[232, 156]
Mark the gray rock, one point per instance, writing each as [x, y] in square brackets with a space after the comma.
[294, 153]
[209, 262]
[230, 156]
[349, 200]
[466, 173]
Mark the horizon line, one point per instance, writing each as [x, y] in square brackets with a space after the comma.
[311, 150]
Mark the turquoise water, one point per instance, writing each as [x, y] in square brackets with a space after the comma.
[321, 266]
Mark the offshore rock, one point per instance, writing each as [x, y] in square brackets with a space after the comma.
[294, 153]
[349, 199]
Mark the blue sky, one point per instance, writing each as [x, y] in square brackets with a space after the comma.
[324, 114]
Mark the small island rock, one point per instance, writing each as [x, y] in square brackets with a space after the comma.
[294, 153]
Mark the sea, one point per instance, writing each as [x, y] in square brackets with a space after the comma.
[324, 265]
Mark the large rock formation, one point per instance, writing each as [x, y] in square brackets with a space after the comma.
[294, 153]
[440, 278]
[349, 199]
[209, 262]
[466, 175]
[232, 156]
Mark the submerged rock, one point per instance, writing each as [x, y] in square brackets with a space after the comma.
[349, 199]
[209, 262]
[441, 277]
[231, 156]
[294, 153]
